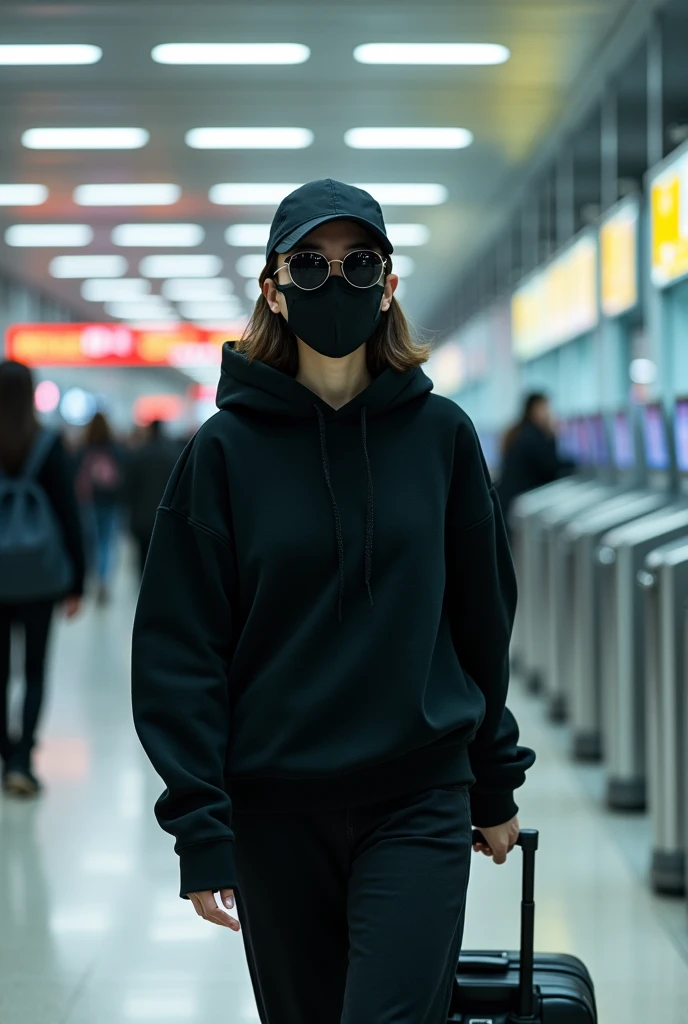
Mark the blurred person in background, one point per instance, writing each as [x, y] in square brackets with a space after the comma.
[100, 481]
[41, 559]
[529, 452]
[320, 651]
[148, 471]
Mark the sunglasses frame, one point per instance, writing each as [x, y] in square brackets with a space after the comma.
[362, 287]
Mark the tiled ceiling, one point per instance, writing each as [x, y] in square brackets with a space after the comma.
[508, 107]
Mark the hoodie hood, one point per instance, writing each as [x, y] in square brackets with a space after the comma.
[252, 385]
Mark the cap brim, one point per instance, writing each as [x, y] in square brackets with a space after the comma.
[295, 237]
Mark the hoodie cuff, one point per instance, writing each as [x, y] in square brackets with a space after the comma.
[491, 809]
[207, 867]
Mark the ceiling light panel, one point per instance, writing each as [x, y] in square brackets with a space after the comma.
[169, 235]
[431, 53]
[211, 310]
[23, 195]
[180, 266]
[408, 138]
[159, 194]
[88, 266]
[249, 138]
[34, 54]
[190, 289]
[143, 310]
[230, 53]
[113, 289]
[402, 194]
[250, 194]
[408, 234]
[55, 236]
[85, 138]
[247, 234]
[251, 265]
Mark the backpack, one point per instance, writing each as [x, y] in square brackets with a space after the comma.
[34, 564]
[99, 476]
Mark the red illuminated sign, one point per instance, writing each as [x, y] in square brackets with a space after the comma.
[114, 344]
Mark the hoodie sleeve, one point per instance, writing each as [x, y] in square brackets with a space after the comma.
[182, 644]
[481, 589]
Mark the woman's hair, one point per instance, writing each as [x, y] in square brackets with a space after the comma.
[533, 399]
[98, 431]
[18, 423]
[267, 337]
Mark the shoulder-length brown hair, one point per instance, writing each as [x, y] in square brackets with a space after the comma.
[267, 337]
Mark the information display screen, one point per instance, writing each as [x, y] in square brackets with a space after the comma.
[567, 440]
[586, 441]
[681, 433]
[656, 443]
[624, 449]
[598, 428]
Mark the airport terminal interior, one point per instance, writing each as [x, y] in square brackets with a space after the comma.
[530, 158]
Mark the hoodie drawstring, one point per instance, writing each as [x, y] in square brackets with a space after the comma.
[370, 508]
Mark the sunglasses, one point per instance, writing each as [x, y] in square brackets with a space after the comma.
[363, 268]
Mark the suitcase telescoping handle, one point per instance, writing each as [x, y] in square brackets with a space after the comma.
[528, 841]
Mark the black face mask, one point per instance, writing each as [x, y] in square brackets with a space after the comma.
[336, 319]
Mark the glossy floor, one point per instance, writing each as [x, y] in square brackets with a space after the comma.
[92, 930]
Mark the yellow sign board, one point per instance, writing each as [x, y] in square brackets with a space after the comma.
[619, 259]
[557, 303]
[669, 213]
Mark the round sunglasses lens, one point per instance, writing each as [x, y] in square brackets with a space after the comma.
[308, 270]
[363, 269]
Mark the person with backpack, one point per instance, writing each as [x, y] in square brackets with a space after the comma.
[100, 483]
[41, 559]
[321, 645]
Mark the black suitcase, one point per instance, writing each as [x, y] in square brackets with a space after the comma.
[510, 988]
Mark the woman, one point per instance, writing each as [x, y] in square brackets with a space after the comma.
[100, 481]
[529, 452]
[27, 451]
[322, 635]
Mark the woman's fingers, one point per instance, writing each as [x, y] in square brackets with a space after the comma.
[206, 906]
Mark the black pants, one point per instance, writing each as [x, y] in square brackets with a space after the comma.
[35, 619]
[355, 915]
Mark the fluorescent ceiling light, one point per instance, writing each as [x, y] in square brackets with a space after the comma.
[230, 53]
[211, 310]
[143, 310]
[408, 138]
[144, 235]
[49, 53]
[85, 138]
[23, 195]
[253, 290]
[53, 235]
[88, 266]
[399, 194]
[180, 266]
[127, 195]
[249, 138]
[247, 234]
[251, 265]
[110, 289]
[431, 53]
[408, 234]
[250, 194]
[403, 266]
[190, 289]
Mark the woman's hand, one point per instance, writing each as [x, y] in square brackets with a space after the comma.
[71, 606]
[206, 906]
[499, 840]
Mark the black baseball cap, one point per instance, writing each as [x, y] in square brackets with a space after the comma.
[317, 202]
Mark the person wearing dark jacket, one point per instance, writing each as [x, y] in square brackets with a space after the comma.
[148, 471]
[19, 437]
[529, 453]
[320, 650]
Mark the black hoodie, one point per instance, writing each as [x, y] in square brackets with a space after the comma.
[325, 613]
